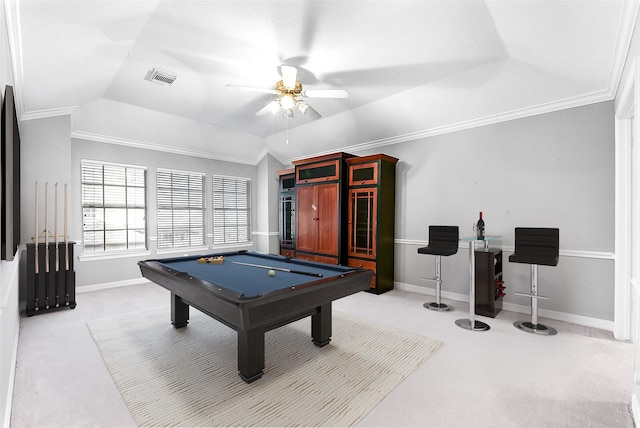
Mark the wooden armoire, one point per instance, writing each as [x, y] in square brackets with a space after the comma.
[320, 208]
[343, 208]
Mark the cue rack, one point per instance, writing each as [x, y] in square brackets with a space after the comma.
[50, 273]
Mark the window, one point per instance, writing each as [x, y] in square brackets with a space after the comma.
[113, 207]
[231, 209]
[180, 209]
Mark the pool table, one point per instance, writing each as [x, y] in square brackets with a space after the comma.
[241, 293]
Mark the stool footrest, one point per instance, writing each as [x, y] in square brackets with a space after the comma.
[533, 296]
[432, 279]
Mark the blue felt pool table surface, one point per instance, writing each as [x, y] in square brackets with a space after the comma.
[249, 280]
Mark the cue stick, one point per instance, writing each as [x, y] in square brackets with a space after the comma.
[319, 275]
[37, 235]
[66, 250]
[55, 240]
[66, 237]
[46, 226]
[55, 224]
[37, 260]
[46, 244]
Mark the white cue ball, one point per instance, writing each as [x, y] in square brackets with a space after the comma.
[272, 272]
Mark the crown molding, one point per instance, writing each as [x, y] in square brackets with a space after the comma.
[563, 104]
[43, 114]
[82, 135]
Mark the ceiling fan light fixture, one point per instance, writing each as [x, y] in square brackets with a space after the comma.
[274, 106]
[287, 102]
[302, 106]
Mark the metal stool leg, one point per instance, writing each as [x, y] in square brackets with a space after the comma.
[438, 305]
[533, 326]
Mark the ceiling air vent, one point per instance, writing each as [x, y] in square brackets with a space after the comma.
[161, 77]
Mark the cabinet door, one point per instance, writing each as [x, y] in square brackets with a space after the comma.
[327, 201]
[363, 174]
[287, 220]
[318, 172]
[306, 213]
[363, 215]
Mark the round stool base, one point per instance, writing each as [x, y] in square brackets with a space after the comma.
[477, 326]
[439, 307]
[540, 329]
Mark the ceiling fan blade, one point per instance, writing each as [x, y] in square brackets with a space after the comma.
[325, 93]
[309, 111]
[289, 76]
[269, 108]
[252, 89]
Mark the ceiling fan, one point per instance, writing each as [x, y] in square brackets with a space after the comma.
[291, 95]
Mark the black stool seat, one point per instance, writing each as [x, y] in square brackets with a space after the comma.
[536, 246]
[443, 241]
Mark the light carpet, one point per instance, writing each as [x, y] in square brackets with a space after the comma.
[189, 376]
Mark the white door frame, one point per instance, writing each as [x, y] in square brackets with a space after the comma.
[627, 117]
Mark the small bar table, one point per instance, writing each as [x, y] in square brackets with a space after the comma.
[471, 323]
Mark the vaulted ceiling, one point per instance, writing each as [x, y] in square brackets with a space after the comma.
[411, 68]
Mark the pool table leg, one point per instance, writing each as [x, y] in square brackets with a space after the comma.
[321, 325]
[251, 354]
[179, 312]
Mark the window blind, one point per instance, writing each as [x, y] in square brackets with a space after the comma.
[181, 209]
[231, 209]
[113, 207]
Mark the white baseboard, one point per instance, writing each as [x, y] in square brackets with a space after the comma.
[108, 285]
[523, 309]
[430, 291]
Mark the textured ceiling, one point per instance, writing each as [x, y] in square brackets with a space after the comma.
[418, 65]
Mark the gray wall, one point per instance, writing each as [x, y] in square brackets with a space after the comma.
[550, 170]
[266, 234]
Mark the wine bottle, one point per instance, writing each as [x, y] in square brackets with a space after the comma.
[480, 227]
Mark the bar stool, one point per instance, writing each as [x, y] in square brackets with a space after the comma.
[443, 241]
[535, 246]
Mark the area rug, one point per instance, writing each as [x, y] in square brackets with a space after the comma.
[189, 376]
